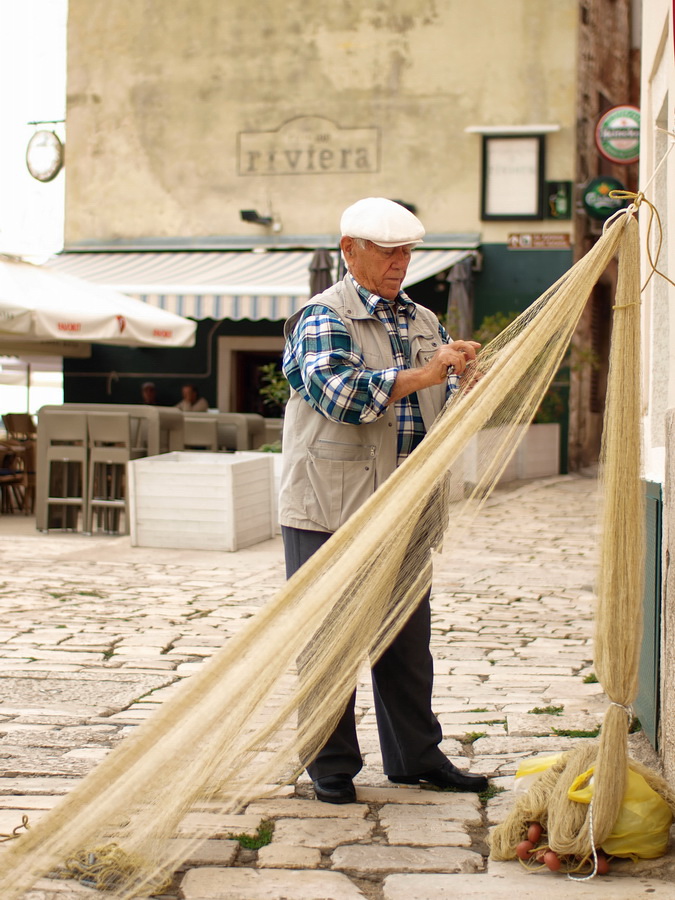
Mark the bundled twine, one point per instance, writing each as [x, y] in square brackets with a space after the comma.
[576, 829]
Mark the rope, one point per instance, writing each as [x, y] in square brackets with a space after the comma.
[10, 837]
[593, 848]
[105, 868]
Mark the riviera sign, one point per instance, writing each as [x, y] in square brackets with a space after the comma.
[309, 145]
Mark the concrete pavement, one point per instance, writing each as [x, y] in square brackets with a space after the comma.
[95, 634]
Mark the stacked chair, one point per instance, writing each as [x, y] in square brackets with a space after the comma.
[110, 449]
[62, 498]
[82, 479]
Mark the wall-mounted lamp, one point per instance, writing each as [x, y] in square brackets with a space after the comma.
[251, 215]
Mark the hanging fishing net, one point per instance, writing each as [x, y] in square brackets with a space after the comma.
[231, 732]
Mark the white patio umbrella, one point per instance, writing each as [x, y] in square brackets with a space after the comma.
[40, 304]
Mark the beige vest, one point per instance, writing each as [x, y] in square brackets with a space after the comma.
[330, 468]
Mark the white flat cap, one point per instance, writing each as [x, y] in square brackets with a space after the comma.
[384, 222]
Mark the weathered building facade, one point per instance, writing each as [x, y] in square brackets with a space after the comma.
[182, 118]
[229, 127]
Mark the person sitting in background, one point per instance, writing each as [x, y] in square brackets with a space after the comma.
[191, 401]
[149, 393]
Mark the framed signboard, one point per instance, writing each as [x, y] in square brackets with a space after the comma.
[513, 177]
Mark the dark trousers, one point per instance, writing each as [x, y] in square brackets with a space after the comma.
[409, 731]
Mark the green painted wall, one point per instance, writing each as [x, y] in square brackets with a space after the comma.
[510, 280]
[92, 380]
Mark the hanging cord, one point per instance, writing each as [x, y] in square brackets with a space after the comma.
[637, 199]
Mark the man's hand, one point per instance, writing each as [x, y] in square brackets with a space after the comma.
[453, 356]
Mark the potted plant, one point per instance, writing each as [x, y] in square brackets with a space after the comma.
[274, 391]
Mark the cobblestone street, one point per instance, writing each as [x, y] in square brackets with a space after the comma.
[95, 634]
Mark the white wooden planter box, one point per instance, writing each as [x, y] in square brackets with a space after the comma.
[472, 465]
[201, 501]
[537, 456]
[277, 467]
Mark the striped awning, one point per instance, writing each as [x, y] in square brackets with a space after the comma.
[241, 284]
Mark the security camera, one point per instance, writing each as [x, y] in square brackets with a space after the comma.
[251, 215]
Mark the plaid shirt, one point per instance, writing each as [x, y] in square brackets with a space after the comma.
[324, 365]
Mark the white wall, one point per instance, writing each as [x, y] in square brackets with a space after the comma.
[658, 111]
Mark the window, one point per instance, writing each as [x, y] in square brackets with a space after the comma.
[513, 174]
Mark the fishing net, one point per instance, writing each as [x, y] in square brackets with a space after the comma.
[230, 732]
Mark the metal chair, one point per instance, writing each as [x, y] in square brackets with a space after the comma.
[11, 497]
[110, 449]
[17, 476]
[19, 426]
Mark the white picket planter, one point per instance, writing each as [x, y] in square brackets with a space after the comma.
[537, 456]
[202, 501]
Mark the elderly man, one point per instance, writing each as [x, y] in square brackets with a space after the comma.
[367, 366]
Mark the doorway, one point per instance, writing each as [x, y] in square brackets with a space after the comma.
[248, 366]
[239, 377]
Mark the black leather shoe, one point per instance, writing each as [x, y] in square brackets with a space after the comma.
[335, 789]
[447, 777]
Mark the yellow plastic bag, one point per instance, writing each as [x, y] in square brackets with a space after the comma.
[530, 769]
[642, 827]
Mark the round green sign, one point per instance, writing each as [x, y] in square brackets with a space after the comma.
[596, 200]
[617, 134]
